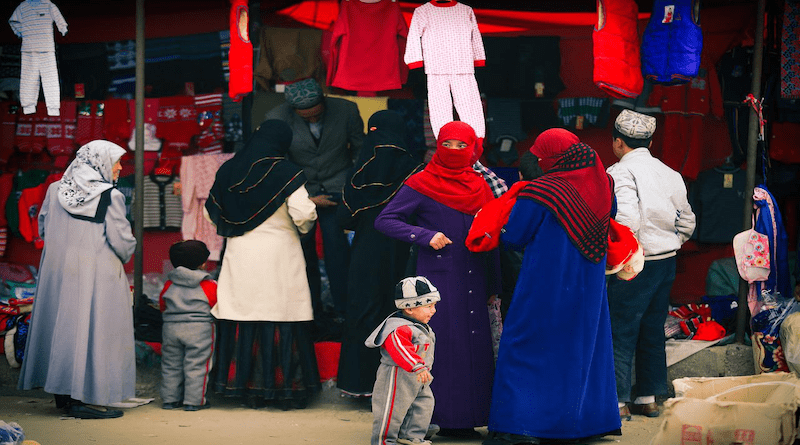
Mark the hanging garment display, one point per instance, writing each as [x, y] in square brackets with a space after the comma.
[33, 22]
[84, 72]
[287, 55]
[578, 112]
[197, 176]
[717, 199]
[685, 106]
[444, 38]
[240, 56]
[672, 42]
[790, 51]
[523, 67]
[209, 119]
[362, 31]
[615, 45]
[122, 67]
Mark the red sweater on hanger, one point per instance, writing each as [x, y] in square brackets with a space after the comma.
[367, 46]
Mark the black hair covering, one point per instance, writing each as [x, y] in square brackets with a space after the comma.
[383, 164]
[253, 184]
[190, 254]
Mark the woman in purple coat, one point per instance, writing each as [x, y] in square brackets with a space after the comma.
[434, 210]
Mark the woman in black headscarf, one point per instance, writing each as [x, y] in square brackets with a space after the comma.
[377, 262]
[259, 203]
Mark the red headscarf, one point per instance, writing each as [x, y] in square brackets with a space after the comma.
[449, 178]
[575, 188]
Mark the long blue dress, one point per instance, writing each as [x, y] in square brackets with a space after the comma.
[464, 359]
[555, 369]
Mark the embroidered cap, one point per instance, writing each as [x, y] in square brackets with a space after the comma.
[414, 292]
[303, 94]
[635, 125]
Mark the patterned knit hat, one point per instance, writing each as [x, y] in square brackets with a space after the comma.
[190, 254]
[414, 292]
[303, 94]
[635, 125]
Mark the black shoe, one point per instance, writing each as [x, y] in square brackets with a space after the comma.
[171, 405]
[461, 433]
[196, 407]
[87, 412]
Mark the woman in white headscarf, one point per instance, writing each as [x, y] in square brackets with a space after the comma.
[80, 346]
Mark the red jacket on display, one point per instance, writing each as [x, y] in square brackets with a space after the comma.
[615, 41]
[240, 57]
[363, 33]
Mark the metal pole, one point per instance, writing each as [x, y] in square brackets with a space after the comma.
[752, 147]
[138, 207]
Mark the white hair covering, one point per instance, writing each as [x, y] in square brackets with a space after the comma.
[88, 176]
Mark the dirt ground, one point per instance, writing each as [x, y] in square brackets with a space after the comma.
[329, 419]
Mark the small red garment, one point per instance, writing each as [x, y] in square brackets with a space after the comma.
[484, 234]
[61, 135]
[177, 121]
[117, 122]
[240, 56]
[622, 244]
[709, 331]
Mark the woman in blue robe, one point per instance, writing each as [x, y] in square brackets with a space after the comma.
[555, 369]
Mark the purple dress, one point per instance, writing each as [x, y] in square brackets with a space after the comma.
[464, 359]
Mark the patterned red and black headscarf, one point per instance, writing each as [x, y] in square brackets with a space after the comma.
[575, 188]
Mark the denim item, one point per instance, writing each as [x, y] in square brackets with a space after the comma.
[638, 311]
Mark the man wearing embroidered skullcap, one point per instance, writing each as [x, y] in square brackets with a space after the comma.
[652, 202]
[327, 136]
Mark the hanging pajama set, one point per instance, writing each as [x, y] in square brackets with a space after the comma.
[33, 22]
[402, 407]
[447, 37]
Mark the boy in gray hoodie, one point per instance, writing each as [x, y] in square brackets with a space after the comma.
[188, 330]
[402, 401]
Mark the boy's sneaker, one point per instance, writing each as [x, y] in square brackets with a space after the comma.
[413, 442]
[196, 407]
[432, 429]
[171, 405]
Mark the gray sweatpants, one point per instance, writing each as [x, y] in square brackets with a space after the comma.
[186, 352]
[401, 406]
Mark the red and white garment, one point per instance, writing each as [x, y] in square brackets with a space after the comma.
[197, 176]
[61, 135]
[31, 135]
[209, 118]
[177, 124]
[444, 38]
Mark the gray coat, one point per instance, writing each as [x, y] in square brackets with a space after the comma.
[80, 341]
[328, 164]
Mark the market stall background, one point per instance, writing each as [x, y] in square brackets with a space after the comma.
[726, 24]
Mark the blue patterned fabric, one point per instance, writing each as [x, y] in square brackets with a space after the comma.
[767, 213]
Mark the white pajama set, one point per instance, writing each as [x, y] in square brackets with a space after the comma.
[444, 37]
[33, 22]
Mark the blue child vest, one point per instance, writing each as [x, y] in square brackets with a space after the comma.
[672, 42]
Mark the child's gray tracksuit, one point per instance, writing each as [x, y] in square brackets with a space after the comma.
[187, 344]
[401, 406]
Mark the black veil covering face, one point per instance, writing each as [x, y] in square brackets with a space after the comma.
[383, 164]
[253, 184]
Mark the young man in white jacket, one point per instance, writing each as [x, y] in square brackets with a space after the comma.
[651, 200]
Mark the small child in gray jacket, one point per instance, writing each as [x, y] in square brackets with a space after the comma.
[402, 400]
[188, 330]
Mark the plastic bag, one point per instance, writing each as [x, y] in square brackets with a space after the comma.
[11, 433]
